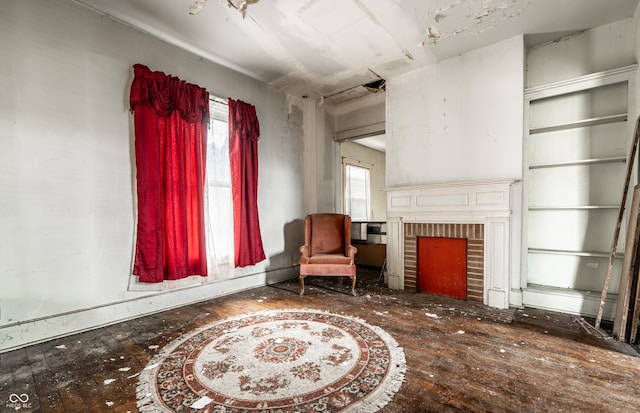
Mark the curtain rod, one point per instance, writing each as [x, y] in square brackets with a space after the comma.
[218, 100]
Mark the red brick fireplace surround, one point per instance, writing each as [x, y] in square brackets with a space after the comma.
[478, 211]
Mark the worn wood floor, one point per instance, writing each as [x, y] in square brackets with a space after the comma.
[460, 356]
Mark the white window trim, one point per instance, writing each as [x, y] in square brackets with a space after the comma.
[359, 164]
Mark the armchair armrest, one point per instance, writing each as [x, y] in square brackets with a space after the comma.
[351, 252]
[304, 251]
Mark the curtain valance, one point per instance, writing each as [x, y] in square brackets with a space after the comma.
[166, 94]
[243, 120]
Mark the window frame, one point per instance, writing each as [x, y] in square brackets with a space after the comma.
[351, 163]
[220, 265]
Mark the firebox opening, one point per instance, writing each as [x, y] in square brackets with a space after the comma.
[442, 266]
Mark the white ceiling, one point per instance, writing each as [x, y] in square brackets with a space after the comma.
[377, 142]
[328, 48]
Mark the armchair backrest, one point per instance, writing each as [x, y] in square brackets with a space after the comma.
[327, 233]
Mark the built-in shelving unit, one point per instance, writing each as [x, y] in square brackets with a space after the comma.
[577, 136]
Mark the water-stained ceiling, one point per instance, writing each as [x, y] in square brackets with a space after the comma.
[328, 48]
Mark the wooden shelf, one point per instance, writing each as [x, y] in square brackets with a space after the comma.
[602, 120]
[594, 161]
[574, 208]
[597, 254]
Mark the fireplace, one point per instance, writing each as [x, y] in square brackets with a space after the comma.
[477, 211]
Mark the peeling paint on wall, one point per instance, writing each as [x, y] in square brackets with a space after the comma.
[240, 5]
[198, 7]
[408, 54]
[469, 18]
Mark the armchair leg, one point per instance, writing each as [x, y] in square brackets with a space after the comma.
[301, 285]
[353, 285]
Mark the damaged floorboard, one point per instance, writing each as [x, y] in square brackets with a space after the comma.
[461, 356]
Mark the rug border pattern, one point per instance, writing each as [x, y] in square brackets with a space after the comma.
[149, 400]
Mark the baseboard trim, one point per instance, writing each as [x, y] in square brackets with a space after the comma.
[35, 331]
[585, 303]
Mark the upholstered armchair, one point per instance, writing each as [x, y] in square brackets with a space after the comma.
[327, 250]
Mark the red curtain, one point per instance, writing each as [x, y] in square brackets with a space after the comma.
[171, 118]
[244, 132]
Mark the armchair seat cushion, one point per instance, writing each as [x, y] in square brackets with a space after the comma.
[330, 259]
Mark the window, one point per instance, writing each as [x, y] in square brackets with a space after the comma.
[357, 200]
[219, 203]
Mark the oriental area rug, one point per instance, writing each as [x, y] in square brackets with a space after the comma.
[275, 361]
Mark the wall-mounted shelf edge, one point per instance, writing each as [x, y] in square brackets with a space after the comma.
[596, 254]
[583, 123]
[589, 81]
[573, 208]
[594, 161]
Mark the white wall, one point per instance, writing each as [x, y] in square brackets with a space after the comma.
[458, 120]
[320, 155]
[360, 117]
[595, 50]
[66, 178]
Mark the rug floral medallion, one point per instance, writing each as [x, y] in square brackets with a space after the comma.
[275, 361]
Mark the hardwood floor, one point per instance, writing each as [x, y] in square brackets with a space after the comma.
[460, 356]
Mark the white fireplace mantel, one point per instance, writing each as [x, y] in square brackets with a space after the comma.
[481, 202]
